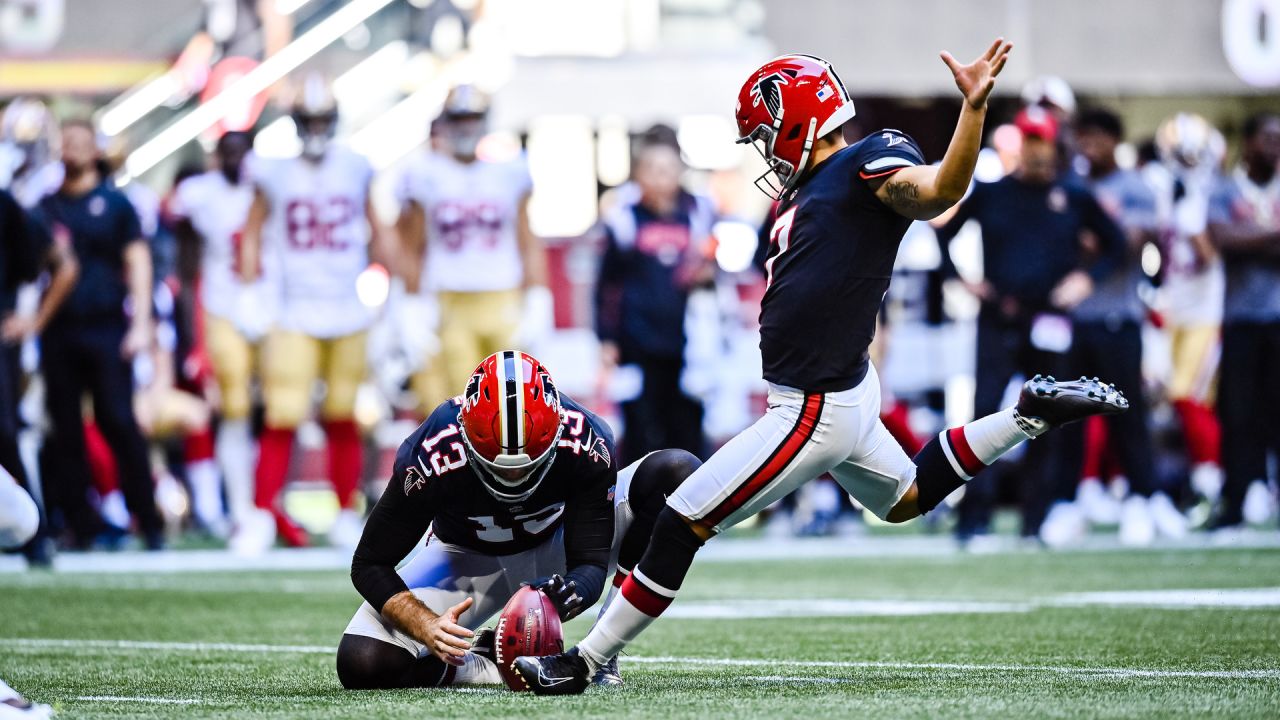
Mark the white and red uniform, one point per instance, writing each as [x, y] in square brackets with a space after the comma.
[318, 230]
[473, 261]
[217, 209]
[471, 212]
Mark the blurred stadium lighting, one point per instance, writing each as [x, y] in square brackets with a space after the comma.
[735, 245]
[613, 151]
[288, 7]
[562, 163]
[594, 28]
[399, 130]
[707, 142]
[136, 103]
[370, 73]
[186, 128]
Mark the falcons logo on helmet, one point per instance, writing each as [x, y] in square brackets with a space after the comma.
[768, 90]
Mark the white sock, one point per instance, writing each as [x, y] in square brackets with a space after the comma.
[998, 433]
[624, 619]
[477, 670]
[971, 448]
[206, 490]
[618, 579]
[235, 450]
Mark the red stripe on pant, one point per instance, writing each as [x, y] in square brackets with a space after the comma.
[964, 454]
[642, 598]
[777, 462]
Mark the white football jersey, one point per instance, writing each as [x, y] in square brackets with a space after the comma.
[320, 235]
[1191, 293]
[471, 219]
[217, 210]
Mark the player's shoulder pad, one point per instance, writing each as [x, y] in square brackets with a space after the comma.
[885, 152]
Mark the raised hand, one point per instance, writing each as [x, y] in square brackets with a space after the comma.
[978, 78]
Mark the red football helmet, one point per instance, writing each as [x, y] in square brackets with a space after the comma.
[511, 422]
[805, 90]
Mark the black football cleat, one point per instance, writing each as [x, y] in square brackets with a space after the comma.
[563, 674]
[485, 645]
[1055, 403]
[608, 675]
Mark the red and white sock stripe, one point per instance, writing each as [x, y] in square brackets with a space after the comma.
[645, 595]
[959, 453]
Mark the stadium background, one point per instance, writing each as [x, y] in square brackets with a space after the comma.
[574, 82]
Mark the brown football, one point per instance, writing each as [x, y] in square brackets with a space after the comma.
[528, 625]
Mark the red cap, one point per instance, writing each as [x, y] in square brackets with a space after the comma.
[1035, 121]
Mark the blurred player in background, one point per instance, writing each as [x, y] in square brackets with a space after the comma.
[843, 212]
[1244, 224]
[211, 210]
[29, 150]
[314, 214]
[1107, 338]
[464, 229]
[1190, 300]
[1035, 271]
[513, 483]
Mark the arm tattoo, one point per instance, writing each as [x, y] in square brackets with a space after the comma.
[903, 196]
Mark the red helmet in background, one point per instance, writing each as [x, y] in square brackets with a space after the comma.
[782, 108]
[511, 422]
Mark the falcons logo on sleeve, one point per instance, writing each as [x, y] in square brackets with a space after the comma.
[767, 90]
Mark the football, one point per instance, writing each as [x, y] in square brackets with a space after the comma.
[529, 625]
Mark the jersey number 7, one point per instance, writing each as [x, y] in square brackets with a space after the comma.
[779, 236]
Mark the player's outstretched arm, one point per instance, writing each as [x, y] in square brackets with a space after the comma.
[924, 192]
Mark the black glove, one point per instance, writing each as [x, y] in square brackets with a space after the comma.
[563, 594]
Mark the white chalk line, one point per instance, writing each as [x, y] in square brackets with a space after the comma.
[1255, 674]
[142, 699]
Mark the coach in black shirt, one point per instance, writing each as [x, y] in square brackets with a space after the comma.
[652, 260]
[1033, 266]
[91, 341]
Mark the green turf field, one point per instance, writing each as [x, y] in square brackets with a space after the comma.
[1026, 634]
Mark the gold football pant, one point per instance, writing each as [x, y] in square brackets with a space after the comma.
[232, 357]
[473, 326]
[1195, 350]
[293, 362]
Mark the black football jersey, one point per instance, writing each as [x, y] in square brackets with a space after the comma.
[434, 484]
[831, 254]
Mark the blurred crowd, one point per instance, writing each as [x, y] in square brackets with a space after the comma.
[163, 352]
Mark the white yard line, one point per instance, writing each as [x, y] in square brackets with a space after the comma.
[726, 550]
[1259, 674]
[144, 699]
[157, 645]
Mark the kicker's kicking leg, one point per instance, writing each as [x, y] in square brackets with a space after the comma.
[956, 455]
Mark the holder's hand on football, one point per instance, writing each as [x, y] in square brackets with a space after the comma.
[978, 78]
[445, 638]
[563, 594]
